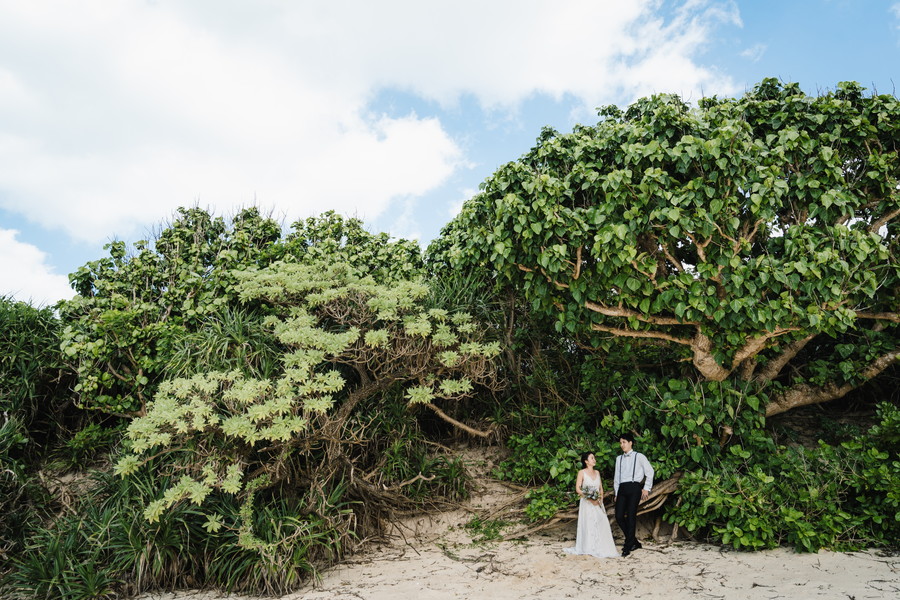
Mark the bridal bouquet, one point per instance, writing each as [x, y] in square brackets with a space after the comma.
[590, 493]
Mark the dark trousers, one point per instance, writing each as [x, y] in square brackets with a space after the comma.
[626, 510]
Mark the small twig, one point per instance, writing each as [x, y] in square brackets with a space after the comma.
[418, 477]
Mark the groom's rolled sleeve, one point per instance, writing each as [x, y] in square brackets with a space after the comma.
[616, 478]
[648, 471]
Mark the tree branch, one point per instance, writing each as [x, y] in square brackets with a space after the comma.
[577, 263]
[772, 368]
[706, 363]
[544, 273]
[805, 395]
[701, 248]
[456, 423]
[650, 276]
[886, 316]
[876, 225]
[627, 313]
[755, 345]
[677, 264]
[641, 334]
[418, 477]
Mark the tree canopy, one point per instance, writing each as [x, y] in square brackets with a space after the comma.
[140, 309]
[346, 339]
[736, 234]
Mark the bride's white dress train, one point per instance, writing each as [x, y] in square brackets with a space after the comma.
[594, 535]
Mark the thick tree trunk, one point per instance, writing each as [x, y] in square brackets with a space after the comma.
[705, 362]
[711, 370]
[804, 394]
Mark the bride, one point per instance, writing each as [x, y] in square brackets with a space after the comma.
[594, 535]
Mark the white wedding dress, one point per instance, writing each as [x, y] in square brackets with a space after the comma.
[594, 535]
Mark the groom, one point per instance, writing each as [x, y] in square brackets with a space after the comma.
[632, 468]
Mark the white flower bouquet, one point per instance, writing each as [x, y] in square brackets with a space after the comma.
[589, 493]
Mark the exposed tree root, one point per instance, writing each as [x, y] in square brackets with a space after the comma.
[659, 495]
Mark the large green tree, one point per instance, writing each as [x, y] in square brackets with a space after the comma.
[147, 311]
[756, 238]
[347, 339]
[122, 327]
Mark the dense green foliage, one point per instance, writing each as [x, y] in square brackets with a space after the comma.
[247, 433]
[106, 548]
[257, 372]
[750, 493]
[33, 386]
[256, 401]
[132, 308]
[139, 310]
[735, 234]
[710, 267]
[842, 496]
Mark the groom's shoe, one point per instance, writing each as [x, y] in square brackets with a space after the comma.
[626, 551]
[636, 546]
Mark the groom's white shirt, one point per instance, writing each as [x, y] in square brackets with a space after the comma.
[626, 466]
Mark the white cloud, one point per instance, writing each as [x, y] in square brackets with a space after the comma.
[114, 113]
[25, 275]
[754, 53]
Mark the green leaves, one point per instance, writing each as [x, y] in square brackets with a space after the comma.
[741, 219]
[345, 338]
[420, 394]
[810, 498]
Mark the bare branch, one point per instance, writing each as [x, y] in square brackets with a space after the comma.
[456, 423]
[577, 263]
[650, 276]
[876, 225]
[544, 273]
[418, 477]
[804, 394]
[628, 313]
[755, 345]
[679, 266]
[705, 361]
[895, 317]
[749, 237]
[772, 368]
[747, 368]
[701, 248]
[641, 334]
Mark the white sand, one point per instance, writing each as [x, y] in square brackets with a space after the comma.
[435, 559]
[539, 569]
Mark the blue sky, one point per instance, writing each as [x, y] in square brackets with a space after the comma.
[113, 114]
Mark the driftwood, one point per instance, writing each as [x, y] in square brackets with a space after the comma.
[658, 496]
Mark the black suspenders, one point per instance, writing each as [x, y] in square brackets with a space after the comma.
[633, 469]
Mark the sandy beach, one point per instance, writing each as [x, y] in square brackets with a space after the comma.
[436, 558]
[538, 568]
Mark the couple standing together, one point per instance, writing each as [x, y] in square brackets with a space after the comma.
[632, 482]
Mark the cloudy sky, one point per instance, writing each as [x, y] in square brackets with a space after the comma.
[114, 113]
